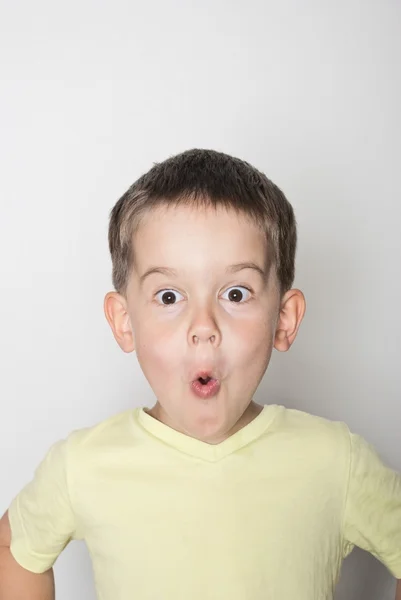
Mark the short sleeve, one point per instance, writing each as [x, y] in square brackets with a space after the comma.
[372, 518]
[41, 516]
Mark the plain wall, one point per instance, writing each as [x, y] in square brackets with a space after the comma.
[92, 93]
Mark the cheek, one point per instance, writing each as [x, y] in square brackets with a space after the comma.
[254, 341]
[158, 352]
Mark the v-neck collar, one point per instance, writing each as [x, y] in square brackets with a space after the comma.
[199, 449]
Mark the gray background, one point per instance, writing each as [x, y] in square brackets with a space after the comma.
[92, 93]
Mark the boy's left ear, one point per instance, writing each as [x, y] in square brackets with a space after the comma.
[292, 310]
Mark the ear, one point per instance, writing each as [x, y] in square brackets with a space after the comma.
[292, 310]
[115, 309]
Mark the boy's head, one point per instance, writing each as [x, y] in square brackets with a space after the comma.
[203, 249]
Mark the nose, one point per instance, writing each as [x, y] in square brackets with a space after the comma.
[204, 328]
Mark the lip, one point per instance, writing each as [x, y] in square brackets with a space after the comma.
[204, 374]
[205, 391]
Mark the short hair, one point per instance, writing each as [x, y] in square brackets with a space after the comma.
[201, 177]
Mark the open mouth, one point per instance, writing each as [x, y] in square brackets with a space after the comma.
[205, 387]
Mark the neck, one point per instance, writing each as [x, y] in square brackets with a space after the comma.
[251, 412]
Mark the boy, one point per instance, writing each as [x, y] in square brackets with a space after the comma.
[207, 495]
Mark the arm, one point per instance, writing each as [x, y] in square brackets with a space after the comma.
[16, 583]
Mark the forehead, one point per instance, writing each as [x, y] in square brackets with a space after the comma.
[190, 238]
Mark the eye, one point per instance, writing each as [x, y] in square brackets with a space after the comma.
[167, 297]
[237, 293]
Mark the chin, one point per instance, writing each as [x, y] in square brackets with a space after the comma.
[208, 423]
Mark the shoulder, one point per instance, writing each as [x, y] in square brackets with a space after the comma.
[303, 422]
[313, 433]
[115, 431]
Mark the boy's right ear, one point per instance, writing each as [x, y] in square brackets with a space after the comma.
[115, 309]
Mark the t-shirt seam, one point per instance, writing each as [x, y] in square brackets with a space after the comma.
[69, 485]
[32, 553]
[344, 541]
[26, 537]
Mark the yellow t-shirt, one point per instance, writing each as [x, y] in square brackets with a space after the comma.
[267, 514]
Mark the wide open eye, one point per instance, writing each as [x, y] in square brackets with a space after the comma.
[167, 297]
[237, 293]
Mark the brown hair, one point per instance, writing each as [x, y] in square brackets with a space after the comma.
[207, 178]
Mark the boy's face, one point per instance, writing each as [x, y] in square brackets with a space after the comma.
[200, 317]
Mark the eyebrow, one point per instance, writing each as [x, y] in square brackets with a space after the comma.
[231, 269]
